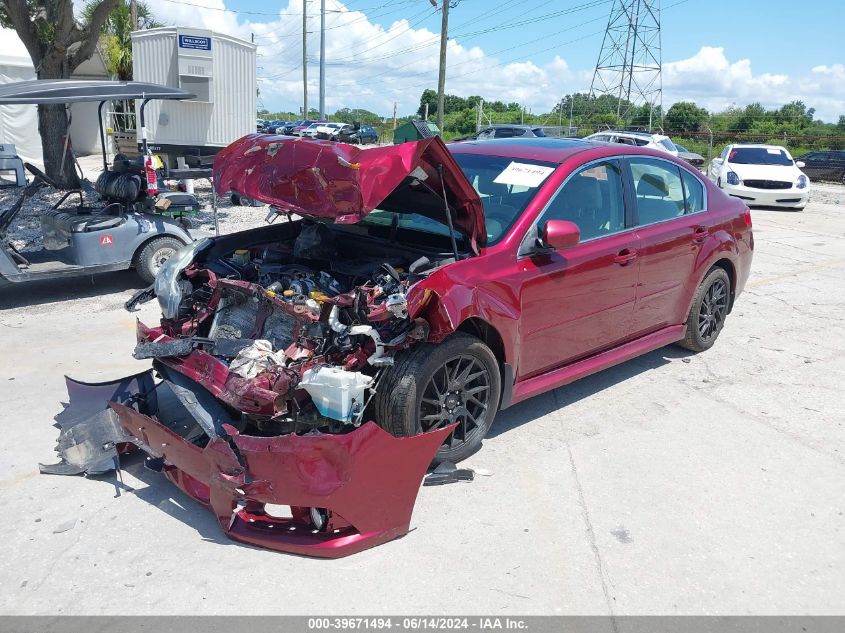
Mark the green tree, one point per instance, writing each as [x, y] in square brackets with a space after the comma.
[685, 116]
[428, 97]
[115, 38]
[57, 43]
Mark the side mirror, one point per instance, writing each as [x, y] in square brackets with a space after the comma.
[559, 234]
[800, 164]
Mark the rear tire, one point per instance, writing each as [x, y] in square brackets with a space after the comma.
[431, 385]
[708, 311]
[149, 259]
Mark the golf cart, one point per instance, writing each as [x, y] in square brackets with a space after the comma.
[132, 225]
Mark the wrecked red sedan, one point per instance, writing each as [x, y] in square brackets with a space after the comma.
[322, 363]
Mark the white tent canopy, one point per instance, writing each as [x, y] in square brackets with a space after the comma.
[19, 123]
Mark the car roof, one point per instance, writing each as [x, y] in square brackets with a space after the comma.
[61, 91]
[516, 125]
[630, 133]
[553, 150]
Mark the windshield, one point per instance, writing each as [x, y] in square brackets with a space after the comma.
[759, 156]
[505, 185]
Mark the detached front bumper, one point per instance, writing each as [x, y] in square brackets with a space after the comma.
[360, 486]
[793, 197]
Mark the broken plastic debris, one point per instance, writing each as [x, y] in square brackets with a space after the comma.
[447, 473]
[255, 358]
[64, 527]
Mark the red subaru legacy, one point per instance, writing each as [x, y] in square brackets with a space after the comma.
[400, 298]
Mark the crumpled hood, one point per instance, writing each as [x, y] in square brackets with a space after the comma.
[344, 183]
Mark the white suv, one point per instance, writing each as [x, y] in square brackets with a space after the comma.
[639, 139]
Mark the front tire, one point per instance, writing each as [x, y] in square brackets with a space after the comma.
[708, 312]
[149, 259]
[431, 386]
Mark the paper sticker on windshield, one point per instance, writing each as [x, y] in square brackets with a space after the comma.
[523, 174]
[776, 152]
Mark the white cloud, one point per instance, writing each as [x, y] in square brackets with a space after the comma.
[376, 60]
[711, 80]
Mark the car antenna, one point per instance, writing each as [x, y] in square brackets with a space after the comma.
[448, 212]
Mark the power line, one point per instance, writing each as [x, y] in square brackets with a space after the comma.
[472, 34]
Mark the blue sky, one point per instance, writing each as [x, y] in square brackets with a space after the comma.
[716, 52]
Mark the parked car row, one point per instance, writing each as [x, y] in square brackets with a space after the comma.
[320, 129]
[828, 165]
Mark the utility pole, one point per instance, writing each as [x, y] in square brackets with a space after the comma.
[441, 78]
[394, 115]
[133, 14]
[304, 60]
[322, 59]
[425, 114]
[478, 114]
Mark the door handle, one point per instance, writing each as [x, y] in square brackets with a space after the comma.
[625, 256]
[700, 234]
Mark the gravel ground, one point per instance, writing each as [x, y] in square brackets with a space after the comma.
[671, 484]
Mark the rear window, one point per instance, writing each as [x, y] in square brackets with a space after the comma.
[668, 144]
[759, 156]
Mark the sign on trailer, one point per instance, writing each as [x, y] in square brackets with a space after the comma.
[194, 42]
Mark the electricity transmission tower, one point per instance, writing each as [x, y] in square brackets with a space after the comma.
[629, 64]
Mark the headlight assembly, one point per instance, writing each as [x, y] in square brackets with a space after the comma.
[167, 288]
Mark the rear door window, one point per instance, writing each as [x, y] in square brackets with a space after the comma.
[693, 192]
[658, 189]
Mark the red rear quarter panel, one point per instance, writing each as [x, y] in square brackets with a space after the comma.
[731, 238]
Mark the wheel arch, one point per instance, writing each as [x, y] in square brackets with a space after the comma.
[141, 245]
[490, 336]
[728, 266]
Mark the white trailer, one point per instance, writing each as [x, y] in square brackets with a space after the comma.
[219, 69]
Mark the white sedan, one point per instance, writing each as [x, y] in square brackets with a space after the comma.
[764, 175]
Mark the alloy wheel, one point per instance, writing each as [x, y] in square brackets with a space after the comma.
[161, 256]
[713, 309]
[458, 391]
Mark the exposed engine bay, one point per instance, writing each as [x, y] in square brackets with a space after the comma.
[268, 362]
[309, 322]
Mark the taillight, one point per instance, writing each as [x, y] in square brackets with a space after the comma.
[746, 217]
[152, 178]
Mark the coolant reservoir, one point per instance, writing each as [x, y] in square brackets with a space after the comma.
[241, 257]
[338, 394]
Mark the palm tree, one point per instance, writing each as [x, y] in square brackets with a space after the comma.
[115, 40]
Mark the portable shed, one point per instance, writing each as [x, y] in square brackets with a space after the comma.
[414, 131]
[219, 69]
